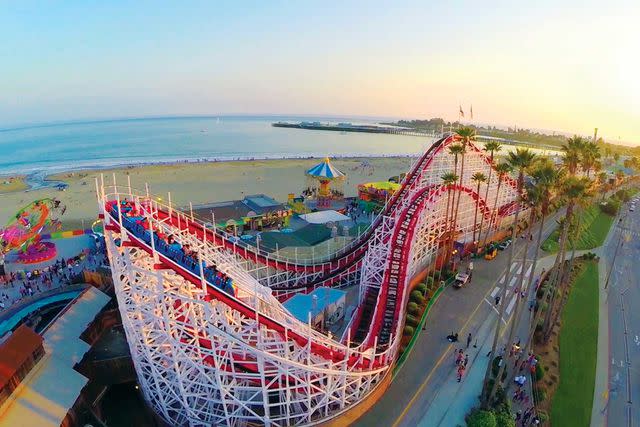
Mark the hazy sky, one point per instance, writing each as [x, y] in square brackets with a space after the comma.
[537, 64]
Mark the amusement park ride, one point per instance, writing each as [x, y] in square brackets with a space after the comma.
[207, 353]
[20, 240]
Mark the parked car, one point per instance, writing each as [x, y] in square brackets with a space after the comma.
[504, 245]
[491, 254]
[461, 280]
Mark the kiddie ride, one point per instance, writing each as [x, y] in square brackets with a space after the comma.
[23, 233]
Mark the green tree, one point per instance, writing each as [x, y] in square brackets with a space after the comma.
[478, 178]
[448, 179]
[521, 160]
[491, 147]
[502, 170]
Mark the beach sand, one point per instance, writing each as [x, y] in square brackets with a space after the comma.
[200, 183]
[11, 184]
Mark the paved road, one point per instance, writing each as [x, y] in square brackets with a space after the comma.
[421, 388]
[623, 297]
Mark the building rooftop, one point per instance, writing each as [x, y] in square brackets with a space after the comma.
[300, 305]
[253, 205]
[16, 350]
[53, 386]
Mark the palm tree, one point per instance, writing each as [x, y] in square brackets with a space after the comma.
[521, 160]
[502, 170]
[456, 150]
[602, 182]
[545, 179]
[589, 153]
[466, 135]
[448, 179]
[573, 189]
[477, 178]
[492, 147]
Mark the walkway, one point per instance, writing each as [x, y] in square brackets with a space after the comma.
[425, 391]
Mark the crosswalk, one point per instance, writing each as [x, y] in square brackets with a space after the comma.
[516, 272]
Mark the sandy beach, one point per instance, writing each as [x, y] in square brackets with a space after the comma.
[200, 183]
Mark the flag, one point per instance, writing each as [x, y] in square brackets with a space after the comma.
[461, 112]
[471, 112]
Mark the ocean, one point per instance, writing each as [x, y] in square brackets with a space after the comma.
[52, 148]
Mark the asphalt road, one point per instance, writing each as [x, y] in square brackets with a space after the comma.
[623, 408]
[414, 390]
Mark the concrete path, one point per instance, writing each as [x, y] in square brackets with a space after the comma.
[425, 391]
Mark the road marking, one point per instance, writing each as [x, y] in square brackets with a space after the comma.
[495, 292]
[446, 353]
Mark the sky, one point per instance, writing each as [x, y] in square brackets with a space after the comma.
[558, 65]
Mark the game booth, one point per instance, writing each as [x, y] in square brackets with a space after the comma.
[373, 195]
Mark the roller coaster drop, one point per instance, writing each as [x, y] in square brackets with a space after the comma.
[210, 340]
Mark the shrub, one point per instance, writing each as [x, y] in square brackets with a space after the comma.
[542, 415]
[408, 331]
[417, 297]
[540, 394]
[430, 281]
[496, 367]
[421, 287]
[436, 275]
[504, 420]
[481, 418]
[413, 308]
[611, 207]
[412, 320]
[539, 371]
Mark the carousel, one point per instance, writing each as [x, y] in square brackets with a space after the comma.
[324, 184]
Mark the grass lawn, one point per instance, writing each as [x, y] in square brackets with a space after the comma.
[573, 399]
[594, 227]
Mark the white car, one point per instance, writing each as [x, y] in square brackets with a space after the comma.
[461, 280]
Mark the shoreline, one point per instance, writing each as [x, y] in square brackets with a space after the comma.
[42, 179]
[197, 181]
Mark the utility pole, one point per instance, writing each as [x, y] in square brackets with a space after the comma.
[595, 135]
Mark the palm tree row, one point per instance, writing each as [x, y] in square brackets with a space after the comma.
[579, 154]
[521, 160]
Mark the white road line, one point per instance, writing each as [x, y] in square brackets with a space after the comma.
[495, 292]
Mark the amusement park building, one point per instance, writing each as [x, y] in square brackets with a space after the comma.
[207, 352]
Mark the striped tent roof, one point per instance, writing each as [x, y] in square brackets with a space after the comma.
[325, 169]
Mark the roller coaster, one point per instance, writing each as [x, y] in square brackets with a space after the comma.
[212, 343]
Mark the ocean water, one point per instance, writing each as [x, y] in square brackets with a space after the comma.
[50, 148]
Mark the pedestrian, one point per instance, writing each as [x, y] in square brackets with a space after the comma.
[518, 415]
[459, 357]
[466, 360]
[468, 339]
[460, 372]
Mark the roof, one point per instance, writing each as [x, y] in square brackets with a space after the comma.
[256, 205]
[325, 169]
[54, 387]
[300, 305]
[16, 350]
[383, 185]
[323, 217]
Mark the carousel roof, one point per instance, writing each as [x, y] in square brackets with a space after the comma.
[325, 169]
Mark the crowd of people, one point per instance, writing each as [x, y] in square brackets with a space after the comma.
[19, 285]
[168, 246]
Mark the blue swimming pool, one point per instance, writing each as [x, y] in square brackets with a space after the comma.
[7, 325]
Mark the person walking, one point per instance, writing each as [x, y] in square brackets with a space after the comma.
[466, 360]
[468, 339]
[461, 370]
